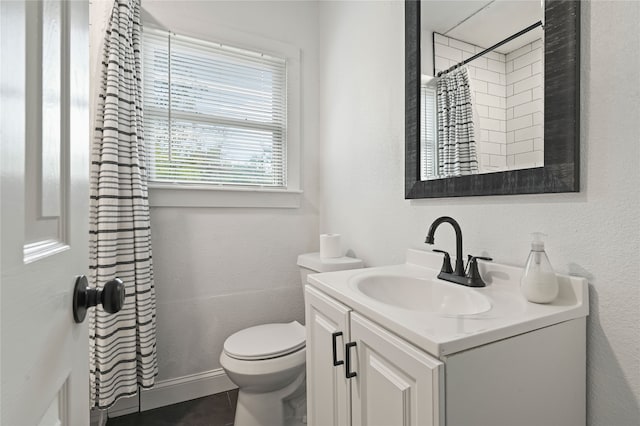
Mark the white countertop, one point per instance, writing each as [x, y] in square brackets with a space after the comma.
[510, 314]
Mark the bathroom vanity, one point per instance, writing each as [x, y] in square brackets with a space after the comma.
[394, 345]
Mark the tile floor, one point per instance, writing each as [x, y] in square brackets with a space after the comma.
[213, 410]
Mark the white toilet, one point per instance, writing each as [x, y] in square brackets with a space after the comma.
[267, 361]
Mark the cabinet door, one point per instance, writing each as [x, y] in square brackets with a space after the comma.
[396, 383]
[328, 394]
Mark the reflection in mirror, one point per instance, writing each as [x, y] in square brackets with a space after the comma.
[482, 87]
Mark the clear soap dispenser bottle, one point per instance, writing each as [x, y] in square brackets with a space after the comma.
[539, 283]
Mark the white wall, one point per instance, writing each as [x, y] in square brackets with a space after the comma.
[594, 233]
[218, 270]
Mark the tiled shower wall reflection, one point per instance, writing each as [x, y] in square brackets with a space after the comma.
[508, 96]
[525, 106]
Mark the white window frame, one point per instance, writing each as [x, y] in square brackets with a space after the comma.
[193, 195]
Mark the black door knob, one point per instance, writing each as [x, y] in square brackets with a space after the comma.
[111, 297]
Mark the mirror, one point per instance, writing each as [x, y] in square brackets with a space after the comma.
[483, 111]
[482, 91]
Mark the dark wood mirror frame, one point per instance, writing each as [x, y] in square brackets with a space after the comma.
[561, 171]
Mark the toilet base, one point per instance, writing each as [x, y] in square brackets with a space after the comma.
[284, 407]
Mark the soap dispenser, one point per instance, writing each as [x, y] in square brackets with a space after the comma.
[539, 283]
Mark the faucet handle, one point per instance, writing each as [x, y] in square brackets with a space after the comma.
[472, 270]
[446, 263]
[471, 258]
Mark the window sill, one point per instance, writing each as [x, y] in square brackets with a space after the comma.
[205, 196]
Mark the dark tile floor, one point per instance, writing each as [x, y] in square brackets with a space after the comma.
[213, 410]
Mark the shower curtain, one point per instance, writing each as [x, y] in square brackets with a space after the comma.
[122, 345]
[456, 143]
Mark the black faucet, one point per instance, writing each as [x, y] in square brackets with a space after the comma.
[429, 240]
[472, 276]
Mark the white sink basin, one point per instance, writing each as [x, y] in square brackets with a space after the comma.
[419, 294]
[445, 318]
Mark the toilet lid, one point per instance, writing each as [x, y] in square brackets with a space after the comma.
[265, 341]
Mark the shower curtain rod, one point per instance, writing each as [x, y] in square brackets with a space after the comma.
[495, 46]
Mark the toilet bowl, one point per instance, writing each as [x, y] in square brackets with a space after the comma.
[267, 362]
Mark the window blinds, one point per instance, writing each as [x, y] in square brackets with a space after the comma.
[428, 134]
[213, 114]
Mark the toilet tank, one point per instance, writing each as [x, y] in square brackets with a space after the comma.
[312, 263]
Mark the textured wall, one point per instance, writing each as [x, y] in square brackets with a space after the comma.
[595, 233]
[221, 270]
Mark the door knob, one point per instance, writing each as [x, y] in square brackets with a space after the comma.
[111, 297]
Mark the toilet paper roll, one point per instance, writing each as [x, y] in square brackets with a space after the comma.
[330, 245]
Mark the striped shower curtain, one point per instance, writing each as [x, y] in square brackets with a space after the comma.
[122, 345]
[456, 143]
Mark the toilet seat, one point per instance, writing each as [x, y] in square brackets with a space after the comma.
[265, 341]
[264, 367]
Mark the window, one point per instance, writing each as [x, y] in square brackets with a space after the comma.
[428, 133]
[214, 115]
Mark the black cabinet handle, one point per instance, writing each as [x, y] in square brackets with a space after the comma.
[334, 337]
[347, 370]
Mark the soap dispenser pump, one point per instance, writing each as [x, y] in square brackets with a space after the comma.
[539, 283]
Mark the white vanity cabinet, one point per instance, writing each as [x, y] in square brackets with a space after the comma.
[394, 383]
[533, 378]
[328, 393]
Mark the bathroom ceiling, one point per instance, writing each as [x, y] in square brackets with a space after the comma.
[483, 23]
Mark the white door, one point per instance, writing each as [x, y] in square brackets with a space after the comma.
[328, 399]
[44, 173]
[395, 383]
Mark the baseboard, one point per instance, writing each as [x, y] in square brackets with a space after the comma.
[97, 417]
[123, 406]
[172, 391]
